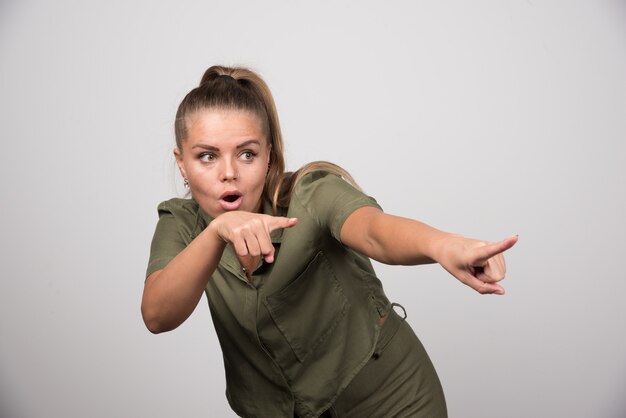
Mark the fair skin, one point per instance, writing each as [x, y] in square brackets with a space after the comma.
[225, 159]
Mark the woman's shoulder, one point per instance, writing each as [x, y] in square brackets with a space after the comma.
[321, 181]
[182, 216]
[179, 208]
[329, 198]
[328, 191]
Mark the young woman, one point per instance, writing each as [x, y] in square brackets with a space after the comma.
[304, 325]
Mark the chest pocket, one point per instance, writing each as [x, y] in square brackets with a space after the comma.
[308, 310]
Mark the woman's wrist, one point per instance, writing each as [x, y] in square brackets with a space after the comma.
[440, 243]
[211, 236]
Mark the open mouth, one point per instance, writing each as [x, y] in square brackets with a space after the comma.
[231, 198]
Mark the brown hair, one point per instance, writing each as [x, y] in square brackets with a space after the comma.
[241, 89]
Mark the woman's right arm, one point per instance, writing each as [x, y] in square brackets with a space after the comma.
[170, 295]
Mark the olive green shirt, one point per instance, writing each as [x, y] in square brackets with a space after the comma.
[295, 336]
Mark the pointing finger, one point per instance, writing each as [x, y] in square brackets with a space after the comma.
[486, 252]
[277, 222]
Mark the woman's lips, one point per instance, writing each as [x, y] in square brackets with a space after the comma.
[231, 200]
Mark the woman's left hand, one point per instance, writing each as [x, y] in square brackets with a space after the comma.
[478, 264]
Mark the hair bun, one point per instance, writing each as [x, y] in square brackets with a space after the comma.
[216, 72]
[226, 77]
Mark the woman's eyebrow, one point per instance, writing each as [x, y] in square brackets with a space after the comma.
[206, 147]
[246, 143]
[213, 148]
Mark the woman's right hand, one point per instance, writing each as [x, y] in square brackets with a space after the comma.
[249, 233]
[171, 294]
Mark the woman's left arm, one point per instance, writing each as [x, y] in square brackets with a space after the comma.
[395, 240]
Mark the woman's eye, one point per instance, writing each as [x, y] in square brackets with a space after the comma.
[207, 157]
[247, 155]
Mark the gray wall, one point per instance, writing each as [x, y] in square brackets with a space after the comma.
[486, 118]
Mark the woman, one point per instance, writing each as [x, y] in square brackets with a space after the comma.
[304, 325]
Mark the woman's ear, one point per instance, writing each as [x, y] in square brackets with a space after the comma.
[179, 161]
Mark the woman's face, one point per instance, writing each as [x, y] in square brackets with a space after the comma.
[225, 159]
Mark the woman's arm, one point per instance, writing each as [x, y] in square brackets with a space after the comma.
[170, 295]
[395, 240]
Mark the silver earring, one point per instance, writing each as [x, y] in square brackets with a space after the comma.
[186, 183]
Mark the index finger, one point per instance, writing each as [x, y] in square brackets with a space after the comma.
[489, 250]
[277, 222]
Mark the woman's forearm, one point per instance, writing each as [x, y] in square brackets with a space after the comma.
[171, 294]
[392, 239]
[395, 240]
[403, 241]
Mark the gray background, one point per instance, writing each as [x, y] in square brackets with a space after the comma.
[486, 118]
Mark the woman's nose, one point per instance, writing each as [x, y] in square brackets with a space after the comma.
[229, 171]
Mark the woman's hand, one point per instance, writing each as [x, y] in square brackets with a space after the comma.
[478, 264]
[249, 233]
[395, 240]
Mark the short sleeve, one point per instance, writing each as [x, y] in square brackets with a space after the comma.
[173, 232]
[330, 199]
